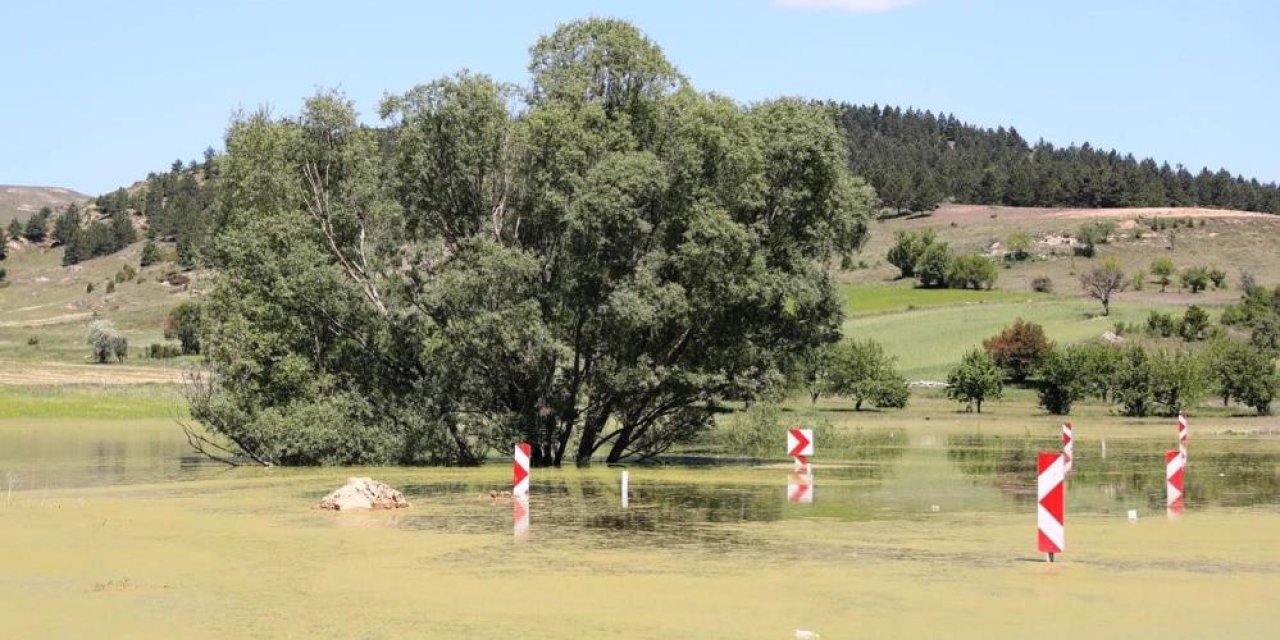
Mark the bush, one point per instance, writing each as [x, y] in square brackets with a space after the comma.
[3, 274]
[1092, 234]
[1195, 322]
[1019, 245]
[88, 288]
[1018, 349]
[150, 254]
[1042, 284]
[1219, 277]
[1163, 269]
[1161, 325]
[907, 249]
[1139, 281]
[162, 351]
[107, 342]
[1242, 373]
[933, 265]
[1195, 278]
[111, 286]
[973, 271]
[33, 341]
[183, 324]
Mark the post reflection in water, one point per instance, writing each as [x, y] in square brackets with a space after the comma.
[800, 487]
[520, 517]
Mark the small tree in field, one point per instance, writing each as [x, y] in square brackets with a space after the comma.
[1018, 349]
[975, 380]
[1062, 379]
[1162, 268]
[107, 342]
[933, 265]
[907, 249]
[860, 370]
[1195, 278]
[1102, 282]
[973, 271]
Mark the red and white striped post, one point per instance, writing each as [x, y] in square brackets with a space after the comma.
[1068, 446]
[800, 446]
[520, 469]
[1174, 465]
[1051, 503]
[520, 517]
[1182, 435]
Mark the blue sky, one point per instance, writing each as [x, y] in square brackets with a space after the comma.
[96, 94]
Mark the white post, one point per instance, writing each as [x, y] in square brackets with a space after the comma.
[626, 489]
[1104, 449]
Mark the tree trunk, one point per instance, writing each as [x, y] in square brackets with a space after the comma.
[590, 432]
[857, 405]
[979, 401]
[1106, 307]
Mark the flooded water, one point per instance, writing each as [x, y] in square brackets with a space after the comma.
[114, 529]
[899, 477]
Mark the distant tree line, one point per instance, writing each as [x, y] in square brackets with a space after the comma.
[915, 159]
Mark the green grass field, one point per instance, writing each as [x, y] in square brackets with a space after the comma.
[862, 299]
[92, 402]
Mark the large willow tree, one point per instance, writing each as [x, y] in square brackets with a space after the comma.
[590, 263]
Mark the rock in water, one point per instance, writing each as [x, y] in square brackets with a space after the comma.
[363, 493]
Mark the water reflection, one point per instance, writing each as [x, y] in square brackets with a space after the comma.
[1226, 473]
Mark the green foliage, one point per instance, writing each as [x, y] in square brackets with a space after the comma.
[600, 265]
[893, 145]
[163, 351]
[1163, 269]
[861, 371]
[1019, 245]
[975, 380]
[3, 274]
[1161, 325]
[37, 227]
[184, 323]
[1158, 382]
[1042, 284]
[1194, 324]
[107, 342]
[4, 244]
[66, 224]
[1091, 234]
[1064, 378]
[111, 286]
[1218, 276]
[1243, 373]
[1018, 349]
[931, 268]
[1102, 282]
[150, 254]
[753, 432]
[1139, 280]
[908, 246]
[1133, 385]
[15, 229]
[973, 271]
[1195, 278]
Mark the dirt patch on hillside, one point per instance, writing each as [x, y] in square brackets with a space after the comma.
[28, 373]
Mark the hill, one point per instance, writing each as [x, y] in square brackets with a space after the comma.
[20, 201]
[929, 329]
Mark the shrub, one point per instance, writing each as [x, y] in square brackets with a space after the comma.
[1139, 280]
[88, 288]
[3, 274]
[183, 324]
[160, 351]
[1240, 372]
[111, 286]
[907, 249]
[1018, 349]
[1194, 324]
[1163, 269]
[1195, 278]
[1092, 234]
[973, 271]
[1042, 284]
[1161, 325]
[107, 342]
[932, 267]
[33, 341]
[1219, 277]
[150, 254]
[1019, 245]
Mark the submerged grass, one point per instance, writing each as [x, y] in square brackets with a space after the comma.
[91, 402]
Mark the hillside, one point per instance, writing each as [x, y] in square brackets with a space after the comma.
[20, 201]
[929, 329]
